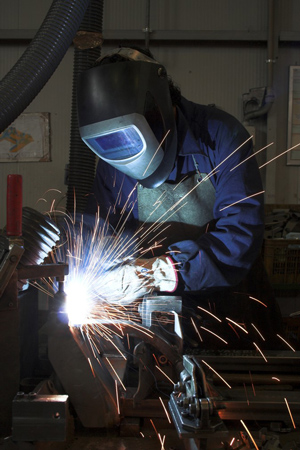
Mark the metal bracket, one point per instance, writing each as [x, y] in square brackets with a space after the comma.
[191, 408]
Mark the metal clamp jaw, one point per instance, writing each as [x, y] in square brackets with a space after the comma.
[191, 408]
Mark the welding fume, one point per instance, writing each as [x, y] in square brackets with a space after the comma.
[180, 178]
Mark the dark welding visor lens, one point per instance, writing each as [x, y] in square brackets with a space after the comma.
[118, 145]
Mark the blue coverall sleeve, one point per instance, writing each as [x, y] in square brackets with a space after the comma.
[225, 253]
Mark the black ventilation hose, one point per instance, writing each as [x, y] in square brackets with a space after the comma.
[82, 160]
[40, 60]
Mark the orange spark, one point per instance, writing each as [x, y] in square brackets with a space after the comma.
[286, 342]
[162, 441]
[116, 347]
[257, 347]
[237, 324]
[155, 359]
[258, 331]
[163, 139]
[241, 200]
[117, 397]
[171, 381]
[209, 331]
[253, 389]
[158, 435]
[251, 437]
[128, 341]
[224, 381]
[91, 367]
[259, 301]
[246, 393]
[211, 314]
[290, 413]
[278, 156]
[114, 371]
[196, 329]
[234, 330]
[251, 156]
[165, 409]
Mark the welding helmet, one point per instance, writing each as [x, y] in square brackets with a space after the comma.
[126, 117]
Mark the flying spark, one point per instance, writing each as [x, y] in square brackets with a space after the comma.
[290, 413]
[114, 371]
[165, 409]
[259, 350]
[242, 200]
[252, 384]
[168, 378]
[219, 337]
[161, 440]
[237, 324]
[251, 156]
[278, 156]
[246, 393]
[280, 337]
[258, 331]
[211, 314]
[117, 397]
[196, 329]
[259, 301]
[231, 442]
[93, 372]
[224, 381]
[164, 138]
[251, 437]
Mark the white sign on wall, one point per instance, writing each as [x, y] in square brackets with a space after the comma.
[26, 139]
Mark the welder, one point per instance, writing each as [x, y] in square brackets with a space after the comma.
[167, 160]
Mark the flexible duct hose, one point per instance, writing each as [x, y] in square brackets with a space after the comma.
[40, 60]
[82, 160]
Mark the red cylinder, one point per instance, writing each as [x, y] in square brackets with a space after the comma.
[14, 205]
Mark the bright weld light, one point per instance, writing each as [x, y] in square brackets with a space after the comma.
[78, 304]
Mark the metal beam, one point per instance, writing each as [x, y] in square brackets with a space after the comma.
[168, 35]
[156, 35]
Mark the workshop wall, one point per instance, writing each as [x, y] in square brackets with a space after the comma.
[216, 51]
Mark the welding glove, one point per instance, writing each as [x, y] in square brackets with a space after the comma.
[123, 285]
[126, 283]
[161, 271]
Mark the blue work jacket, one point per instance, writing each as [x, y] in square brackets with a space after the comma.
[219, 144]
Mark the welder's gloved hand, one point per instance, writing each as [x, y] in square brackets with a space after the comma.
[123, 285]
[126, 283]
[161, 271]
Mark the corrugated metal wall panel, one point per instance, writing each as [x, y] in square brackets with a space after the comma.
[289, 12]
[187, 14]
[9, 17]
[23, 14]
[217, 75]
[120, 15]
[31, 17]
[212, 15]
